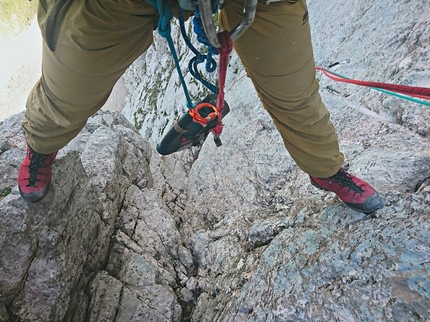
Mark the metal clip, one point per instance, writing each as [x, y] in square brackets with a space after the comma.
[205, 8]
[217, 141]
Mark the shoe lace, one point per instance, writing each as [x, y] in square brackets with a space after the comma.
[37, 161]
[344, 179]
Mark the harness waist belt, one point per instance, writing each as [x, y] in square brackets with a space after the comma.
[270, 1]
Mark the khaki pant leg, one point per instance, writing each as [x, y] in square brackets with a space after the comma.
[95, 41]
[276, 52]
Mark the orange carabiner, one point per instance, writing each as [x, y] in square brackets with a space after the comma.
[194, 112]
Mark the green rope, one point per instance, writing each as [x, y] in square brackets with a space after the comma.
[412, 99]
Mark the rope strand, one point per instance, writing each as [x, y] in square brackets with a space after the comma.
[392, 89]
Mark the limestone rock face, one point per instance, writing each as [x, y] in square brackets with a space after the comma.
[127, 235]
[235, 233]
[85, 252]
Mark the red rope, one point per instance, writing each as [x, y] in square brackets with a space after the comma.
[224, 52]
[420, 92]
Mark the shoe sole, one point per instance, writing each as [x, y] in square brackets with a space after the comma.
[34, 197]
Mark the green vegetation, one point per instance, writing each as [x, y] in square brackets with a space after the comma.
[139, 117]
[16, 15]
[151, 93]
[6, 192]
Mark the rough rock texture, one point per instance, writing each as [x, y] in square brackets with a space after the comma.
[238, 234]
[100, 246]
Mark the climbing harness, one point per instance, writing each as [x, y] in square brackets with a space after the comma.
[192, 128]
[411, 93]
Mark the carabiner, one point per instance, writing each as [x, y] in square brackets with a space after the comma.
[201, 119]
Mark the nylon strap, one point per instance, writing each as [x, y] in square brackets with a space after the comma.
[164, 29]
[224, 52]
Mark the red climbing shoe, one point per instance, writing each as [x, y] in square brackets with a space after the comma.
[34, 176]
[356, 193]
